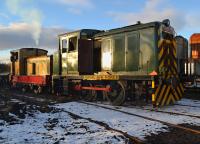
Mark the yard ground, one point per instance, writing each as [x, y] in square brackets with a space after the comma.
[74, 122]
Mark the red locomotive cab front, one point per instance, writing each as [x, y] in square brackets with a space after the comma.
[195, 46]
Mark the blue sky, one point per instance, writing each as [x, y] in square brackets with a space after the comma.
[31, 23]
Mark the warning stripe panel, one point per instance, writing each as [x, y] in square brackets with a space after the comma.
[169, 100]
[161, 65]
[174, 43]
[174, 53]
[166, 93]
[160, 43]
[175, 95]
[160, 95]
[181, 86]
[166, 96]
[172, 100]
[178, 93]
[158, 90]
[161, 53]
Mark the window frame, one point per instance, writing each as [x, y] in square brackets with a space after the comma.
[76, 44]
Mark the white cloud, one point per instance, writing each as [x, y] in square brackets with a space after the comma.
[153, 10]
[18, 35]
[4, 60]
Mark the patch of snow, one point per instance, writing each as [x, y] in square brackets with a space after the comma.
[12, 115]
[15, 100]
[194, 85]
[189, 102]
[59, 126]
[133, 125]
[178, 109]
[174, 119]
[190, 107]
[56, 127]
[2, 122]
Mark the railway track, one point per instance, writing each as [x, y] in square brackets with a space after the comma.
[188, 105]
[42, 101]
[132, 139]
[166, 112]
[33, 98]
[156, 110]
[193, 131]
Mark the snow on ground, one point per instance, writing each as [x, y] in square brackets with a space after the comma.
[15, 100]
[56, 127]
[180, 109]
[133, 125]
[190, 107]
[190, 102]
[174, 119]
[59, 126]
[196, 85]
[2, 122]
[34, 98]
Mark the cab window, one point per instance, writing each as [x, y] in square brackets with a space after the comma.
[64, 46]
[72, 44]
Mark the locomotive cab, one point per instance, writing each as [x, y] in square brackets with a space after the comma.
[77, 55]
[18, 59]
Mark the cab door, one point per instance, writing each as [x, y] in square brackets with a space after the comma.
[119, 53]
[132, 52]
[72, 55]
[85, 56]
[106, 55]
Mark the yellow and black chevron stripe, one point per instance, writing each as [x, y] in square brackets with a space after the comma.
[170, 89]
[166, 94]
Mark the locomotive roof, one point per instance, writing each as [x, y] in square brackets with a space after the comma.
[38, 57]
[79, 31]
[128, 28]
[181, 38]
[27, 49]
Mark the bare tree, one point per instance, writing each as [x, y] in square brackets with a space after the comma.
[4, 67]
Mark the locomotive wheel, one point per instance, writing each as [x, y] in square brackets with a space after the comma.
[88, 95]
[117, 95]
[38, 90]
[24, 89]
[31, 87]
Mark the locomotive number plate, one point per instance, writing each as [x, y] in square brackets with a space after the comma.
[101, 77]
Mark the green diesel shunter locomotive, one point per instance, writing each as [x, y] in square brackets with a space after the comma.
[128, 63]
